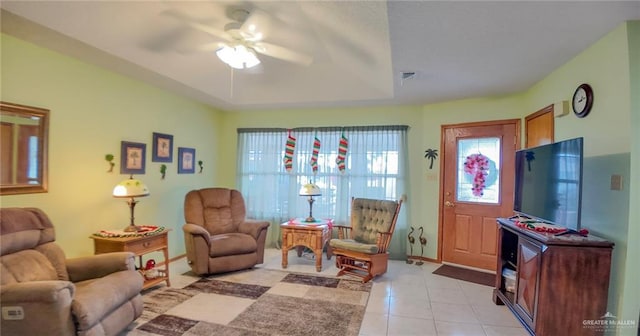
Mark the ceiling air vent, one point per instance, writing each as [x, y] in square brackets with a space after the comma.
[405, 76]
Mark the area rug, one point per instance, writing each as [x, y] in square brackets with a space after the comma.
[256, 302]
[465, 274]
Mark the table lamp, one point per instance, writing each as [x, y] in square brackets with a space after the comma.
[310, 190]
[129, 189]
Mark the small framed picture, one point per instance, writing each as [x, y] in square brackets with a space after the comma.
[186, 160]
[133, 156]
[162, 148]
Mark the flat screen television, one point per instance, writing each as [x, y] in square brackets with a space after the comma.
[548, 184]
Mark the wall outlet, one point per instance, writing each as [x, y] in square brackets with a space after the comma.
[12, 313]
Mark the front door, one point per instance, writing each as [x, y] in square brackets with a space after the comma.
[478, 181]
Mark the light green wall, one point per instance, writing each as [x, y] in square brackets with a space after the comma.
[92, 110]
[630, 301]
[605, 66]
[605, 212]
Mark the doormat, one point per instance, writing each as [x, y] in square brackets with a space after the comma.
[460, 273]
[256, 302]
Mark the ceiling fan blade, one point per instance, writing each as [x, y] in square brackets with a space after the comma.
[211, 46]
[187, 23]
[282, 53]
[219, 33]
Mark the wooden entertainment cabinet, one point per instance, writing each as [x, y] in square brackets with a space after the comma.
[560, 281]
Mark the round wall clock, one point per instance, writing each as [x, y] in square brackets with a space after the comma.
[582, 100]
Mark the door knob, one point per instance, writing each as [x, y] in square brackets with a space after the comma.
[449, 204]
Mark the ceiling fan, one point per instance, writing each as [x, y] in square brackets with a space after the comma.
[244, 37]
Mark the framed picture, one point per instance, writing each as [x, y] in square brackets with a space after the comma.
[186, 160]
[162, 148]
[133, 156]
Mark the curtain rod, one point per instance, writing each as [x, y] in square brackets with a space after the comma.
[326, 129]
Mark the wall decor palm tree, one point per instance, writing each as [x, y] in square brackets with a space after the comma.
[109, 158]
[431, 154]
[163, 170]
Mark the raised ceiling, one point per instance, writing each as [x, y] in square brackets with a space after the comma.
[360, 48]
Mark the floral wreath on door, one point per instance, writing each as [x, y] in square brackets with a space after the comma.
[483, 172]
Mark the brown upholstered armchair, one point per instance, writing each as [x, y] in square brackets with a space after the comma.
[217, 235]
[46, 294]
[361, 249]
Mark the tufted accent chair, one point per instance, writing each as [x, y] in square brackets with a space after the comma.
[48, 294]
[217, 235]
[361, 249]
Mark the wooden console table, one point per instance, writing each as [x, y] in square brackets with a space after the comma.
[560, 281]
[140, 246]
[298, 233]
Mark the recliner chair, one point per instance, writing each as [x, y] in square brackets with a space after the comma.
[217, 235]
[43, 293]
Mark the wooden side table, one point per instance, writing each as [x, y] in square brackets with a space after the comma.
[140, 246]
[299, 234]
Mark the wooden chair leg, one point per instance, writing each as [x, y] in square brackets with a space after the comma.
[359, 268]
[365, 269]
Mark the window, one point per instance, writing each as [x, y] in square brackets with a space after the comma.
[375, 165]
[32, 166]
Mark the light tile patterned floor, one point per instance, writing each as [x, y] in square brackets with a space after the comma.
[407, 300]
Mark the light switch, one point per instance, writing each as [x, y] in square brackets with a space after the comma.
[616, 182]
[12, 313]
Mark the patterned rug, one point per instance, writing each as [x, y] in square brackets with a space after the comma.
[256, 302]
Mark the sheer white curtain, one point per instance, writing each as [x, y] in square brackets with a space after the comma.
[375, 168]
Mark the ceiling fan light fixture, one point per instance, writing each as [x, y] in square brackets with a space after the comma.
[238, 57]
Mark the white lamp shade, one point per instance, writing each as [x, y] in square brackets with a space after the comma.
[310, 189]
[131, 188]
[238, 57]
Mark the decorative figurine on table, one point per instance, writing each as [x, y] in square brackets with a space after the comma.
[411, 241]
[150, 271]
[423, 243]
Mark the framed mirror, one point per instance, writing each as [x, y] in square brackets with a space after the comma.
[23, 149]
